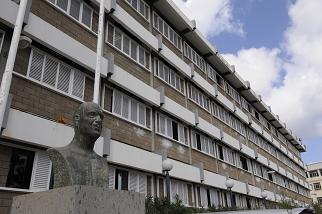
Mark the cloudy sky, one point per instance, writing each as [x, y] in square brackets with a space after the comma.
[277, 46]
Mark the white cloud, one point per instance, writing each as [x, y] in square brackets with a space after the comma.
[298, 100]
[212, 16]
[261, 66]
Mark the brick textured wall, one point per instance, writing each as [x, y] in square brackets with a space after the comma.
[5, 156]
[175, 150]
[128, 133]
[135, 14]
[128, 64]
[6, 200]
[63, 22]
[209, 163]
[170, 92]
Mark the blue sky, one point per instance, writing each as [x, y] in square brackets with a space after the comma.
[277, 46]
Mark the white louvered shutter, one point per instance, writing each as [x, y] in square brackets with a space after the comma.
[162, 124]
[181, 133]
[169, 127]
[63, 78]
[111, 178]
[173, 190]
[75, 8]
[78, 84]
[185, 194]
[133, 181]
[87, 16]
[62, 4]
[203, 194]
[41, 171]
[50, 71]
[194, 140]
[117, 102]
[125, 108]
[141, 114]
[142, 183]
[134, 110]
[36, 65]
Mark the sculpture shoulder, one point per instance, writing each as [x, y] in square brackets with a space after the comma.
[60, 167]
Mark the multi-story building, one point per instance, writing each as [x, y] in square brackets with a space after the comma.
[165, 91]
[314, 178]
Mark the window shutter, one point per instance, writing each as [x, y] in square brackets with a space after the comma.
[74, 9]
[62, 4]
[141, 114]
[162, 124]
[169, 128]
[63, 78]
[36, 65]
[173, 190]
[181, 133]
[117, 102]
[194, 140]
[111, 178]
[126, 45]
[185, 194]
[203, 194]
[40, 177]
[87, 16]
[78, 84]
[125, 108]
[133, 182]
[142, 183]
[134, 111]
[50, 71]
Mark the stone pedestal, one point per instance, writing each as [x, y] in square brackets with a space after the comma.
[79, 199]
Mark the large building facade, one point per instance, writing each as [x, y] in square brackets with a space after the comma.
[314, 178]
[165, 92]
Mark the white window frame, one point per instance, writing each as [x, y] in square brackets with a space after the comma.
[80, 17]
[167, 119]
[203, 140]
[203, 96]
[167, 36]
[128, 55]
[157, 74]
[69, 94]
[190, 55]
[129, 110]
[137, 9]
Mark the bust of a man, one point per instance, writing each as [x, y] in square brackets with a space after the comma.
[77, 163]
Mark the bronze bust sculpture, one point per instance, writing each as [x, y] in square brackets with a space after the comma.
[77, 163]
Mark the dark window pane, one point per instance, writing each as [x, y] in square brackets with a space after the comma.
[20, 169]
[175, 130]
[198, 142]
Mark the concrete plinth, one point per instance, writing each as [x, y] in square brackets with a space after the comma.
[79, 199]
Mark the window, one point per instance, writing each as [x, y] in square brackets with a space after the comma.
[179, 189]
[55, 74]
[121, 179]
[243, 163]
[319, 199]
[171, 129]
[317, 186]
[203, 143]
[226, 154]
[232, 92]
[128, 46]
[313, 173]
[169, 76]
[194, 57]
[26, 169]
[1, 39]
[199, 98]
[141, 7]
[167, 31]
[127, 107]
[76, 9]
[257, 169]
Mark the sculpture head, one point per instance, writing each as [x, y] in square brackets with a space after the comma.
[88, 120]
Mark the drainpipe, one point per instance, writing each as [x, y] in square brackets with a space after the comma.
[99, 52]
[7, 75]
